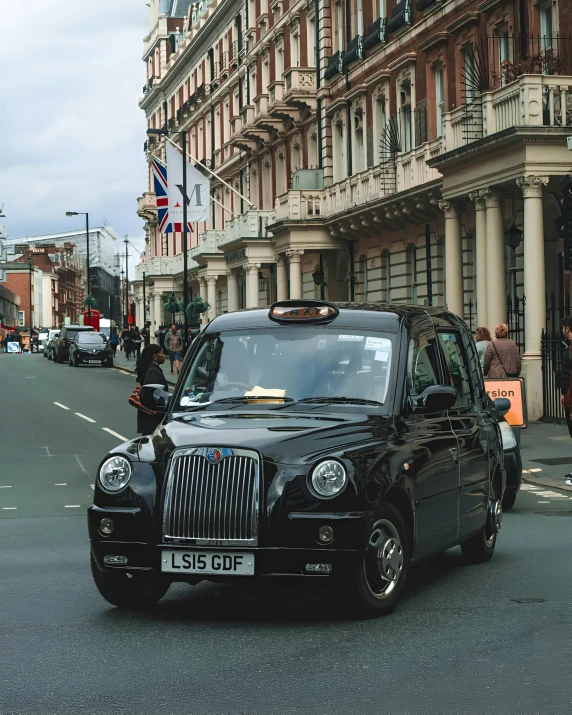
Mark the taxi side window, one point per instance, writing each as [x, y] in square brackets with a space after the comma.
[456, 366]
[474, 366]
[422, 365]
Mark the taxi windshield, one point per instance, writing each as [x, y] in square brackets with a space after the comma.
[291, 363]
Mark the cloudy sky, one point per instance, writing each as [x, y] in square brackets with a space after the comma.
[72, 133]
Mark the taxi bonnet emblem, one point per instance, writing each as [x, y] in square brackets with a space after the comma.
[214, 455]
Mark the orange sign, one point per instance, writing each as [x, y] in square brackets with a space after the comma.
[513, 389]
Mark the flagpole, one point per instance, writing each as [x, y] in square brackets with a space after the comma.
[192, 158]
[185, 233]
[212, 198]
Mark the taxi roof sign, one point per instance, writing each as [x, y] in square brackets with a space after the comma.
[302, 311]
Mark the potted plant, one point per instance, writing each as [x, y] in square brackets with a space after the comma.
[195, 309]
[173, 306]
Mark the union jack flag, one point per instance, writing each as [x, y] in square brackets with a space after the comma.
[160, 182]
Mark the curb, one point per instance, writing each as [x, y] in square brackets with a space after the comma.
[551, 482]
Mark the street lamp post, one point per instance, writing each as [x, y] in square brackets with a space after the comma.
[123, 315]
[31, 265]
[81, 213]
[147, 340]
[126, 242]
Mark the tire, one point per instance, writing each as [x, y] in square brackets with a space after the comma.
[135, 593]
[509, 499]
[76, 362]
[109, 363]
[480, 548]
[372, 593]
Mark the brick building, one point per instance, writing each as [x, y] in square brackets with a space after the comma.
[407, 151]
[56, 279]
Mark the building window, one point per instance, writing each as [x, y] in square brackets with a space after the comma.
[380, 124]
[339, 152]
[412, 271]
[405, 112]
[546, 26]
[471, 74]
[358, 140]
[280, 172]
[311, 42]
[295, 157]
[387, 275]
[439, 100]
[313, 150]
[265, 75]
[279, 63]
[21, 317]
[359, 8]
[340, 26]
[382, 10]
[295, 50]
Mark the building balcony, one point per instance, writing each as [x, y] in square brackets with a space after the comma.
[299, 205]
[266, 126]
[532, 100]
[147, 206]
[249, 225]
[209, 242]
[300, 88]
[411, 167]
[162, 266]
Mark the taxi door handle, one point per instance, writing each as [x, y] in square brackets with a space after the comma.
[454, 452]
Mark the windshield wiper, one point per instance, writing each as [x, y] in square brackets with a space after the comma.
[340, 400]
[250, 399]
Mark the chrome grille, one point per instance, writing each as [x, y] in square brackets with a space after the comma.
[207, 502]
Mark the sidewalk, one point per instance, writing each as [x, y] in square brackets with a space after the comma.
[122, 362]
[546, 454]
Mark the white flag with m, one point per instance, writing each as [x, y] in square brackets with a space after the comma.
[198, 190]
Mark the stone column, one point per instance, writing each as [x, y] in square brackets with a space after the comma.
[232, 290]
[295, 273]
[158, 312]
[211, 296]
[251, 270]
[480, 257]
[534, 290]
[453, 258]
[496, 269]
[281, 280]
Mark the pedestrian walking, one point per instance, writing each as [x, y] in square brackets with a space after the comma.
[124, 336]
[566, 370]
[136, 340]
[502, 357]
[128, 344]
[148, 372]
[173, 344]
[114, 341]
[482, 339]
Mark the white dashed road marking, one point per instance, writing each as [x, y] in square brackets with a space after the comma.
[544, 502]
[87, 419]
[115, 434]
[9, 508]
[61, 484]
[62, 406]
[72, 506]
[8, 486]
[532, 471]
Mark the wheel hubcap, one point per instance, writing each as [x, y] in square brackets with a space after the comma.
[494, 520]
[384, 560]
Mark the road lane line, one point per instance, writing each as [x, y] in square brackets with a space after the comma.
[60, 405]
[9, 508]
[8, 486]
[115, 434]
[544, 502]
[72, 506]
[532, 471]
[87, 419]
[61, 484]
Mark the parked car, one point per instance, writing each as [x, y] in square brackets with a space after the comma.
[66, 338]
[90, 348]
[43, 339]
[50, 342]
[340, 442]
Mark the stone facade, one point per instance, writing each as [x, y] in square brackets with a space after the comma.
[377, 151]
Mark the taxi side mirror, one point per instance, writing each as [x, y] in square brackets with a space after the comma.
[436, 398]
[502, 404]
[155, 397]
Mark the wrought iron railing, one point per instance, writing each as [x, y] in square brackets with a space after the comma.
[510, 56]
[334, 65]
[376, 34]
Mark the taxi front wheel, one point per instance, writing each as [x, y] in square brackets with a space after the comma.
[128, 591]
[382, 573]
[481, 547]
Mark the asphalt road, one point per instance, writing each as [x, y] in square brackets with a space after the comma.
[495, 638]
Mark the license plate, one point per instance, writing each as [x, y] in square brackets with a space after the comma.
[208, 562]
[95, 362]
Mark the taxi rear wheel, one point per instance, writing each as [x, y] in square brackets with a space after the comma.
[129, 591]
[481, 547]
[382, 573]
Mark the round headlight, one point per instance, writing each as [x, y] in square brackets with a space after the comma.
[328, 478]
[115, 474]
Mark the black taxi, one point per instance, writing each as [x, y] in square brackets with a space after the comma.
[311, 440]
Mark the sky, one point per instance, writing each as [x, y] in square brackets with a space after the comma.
[72, 132]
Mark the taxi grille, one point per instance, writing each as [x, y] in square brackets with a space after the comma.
[212, 502]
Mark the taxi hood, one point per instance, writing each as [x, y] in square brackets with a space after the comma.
[283, 438]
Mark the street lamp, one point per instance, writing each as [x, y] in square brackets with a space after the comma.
[122, 300]
[513, 238]
[163, 132]
[82, 213]
[31, 267]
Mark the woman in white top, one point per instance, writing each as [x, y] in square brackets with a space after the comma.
[482, 338]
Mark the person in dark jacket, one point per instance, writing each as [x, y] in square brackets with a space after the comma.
[149, 373]
[136, 340]
[566, 367]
